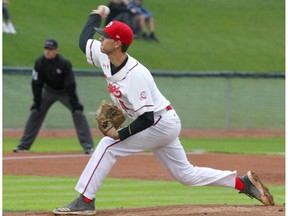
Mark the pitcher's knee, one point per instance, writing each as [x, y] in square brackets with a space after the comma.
[105, 142]
[109, 145]
[185, 176]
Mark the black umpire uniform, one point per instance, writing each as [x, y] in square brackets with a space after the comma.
[53, 80]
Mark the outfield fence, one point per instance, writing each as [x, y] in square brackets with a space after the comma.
[203, 100]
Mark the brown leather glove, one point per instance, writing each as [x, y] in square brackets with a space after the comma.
[108, 115]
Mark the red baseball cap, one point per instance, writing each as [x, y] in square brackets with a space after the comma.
[118, 31]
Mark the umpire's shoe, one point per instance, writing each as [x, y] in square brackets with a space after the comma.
[77, 207]
[89, 151]
[17, 149]
[254, 188]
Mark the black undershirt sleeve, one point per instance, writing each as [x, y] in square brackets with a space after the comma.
[141, 123]
[94, 20]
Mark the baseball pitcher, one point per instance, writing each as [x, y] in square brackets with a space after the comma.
[154, 123]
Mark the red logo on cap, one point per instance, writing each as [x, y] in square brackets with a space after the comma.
[109, 24]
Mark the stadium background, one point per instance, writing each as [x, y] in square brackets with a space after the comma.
[239, 36]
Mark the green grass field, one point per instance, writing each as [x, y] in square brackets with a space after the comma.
[272, 146]
[194, 34]
[46, 193]
[134, 193]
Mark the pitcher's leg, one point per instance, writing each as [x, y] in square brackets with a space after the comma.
[101, 162]
[174, 158]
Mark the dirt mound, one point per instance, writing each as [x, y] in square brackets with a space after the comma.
[182, 210]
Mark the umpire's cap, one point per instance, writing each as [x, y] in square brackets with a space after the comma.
[51, 44]
[118, 31]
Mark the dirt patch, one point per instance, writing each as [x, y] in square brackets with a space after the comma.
[217, 133]
[182, 210]
[141, 166]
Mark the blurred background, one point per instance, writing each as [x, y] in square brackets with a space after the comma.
[220, 63]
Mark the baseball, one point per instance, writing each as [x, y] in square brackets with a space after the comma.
[105, 9]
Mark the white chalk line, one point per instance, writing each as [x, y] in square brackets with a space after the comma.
[75, 156]
[54, 156]
[44, 156]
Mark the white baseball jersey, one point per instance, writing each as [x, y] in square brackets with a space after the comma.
[135, 91]
[132, 88]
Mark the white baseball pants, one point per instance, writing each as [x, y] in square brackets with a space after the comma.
[162, 139]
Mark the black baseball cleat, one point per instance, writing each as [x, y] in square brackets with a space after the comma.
[254, 188]
[89, 151]
[77, 207]
[18, 150]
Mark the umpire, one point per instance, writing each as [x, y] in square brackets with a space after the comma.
[53, 80]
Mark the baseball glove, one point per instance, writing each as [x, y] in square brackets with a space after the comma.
[108, 115]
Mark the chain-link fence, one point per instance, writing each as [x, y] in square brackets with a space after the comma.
[214, 100]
